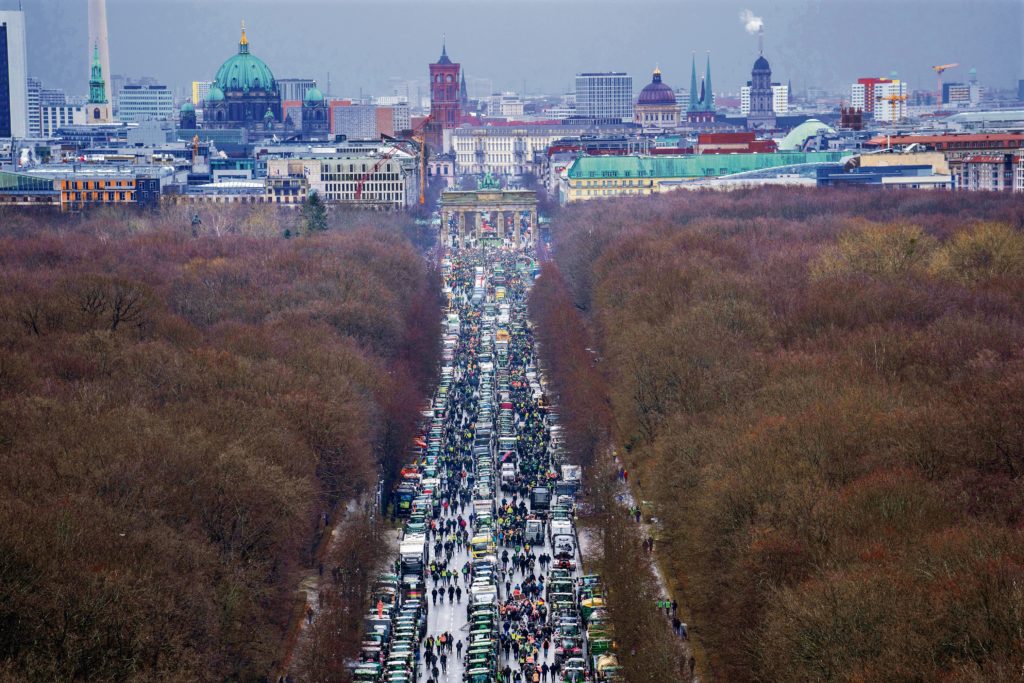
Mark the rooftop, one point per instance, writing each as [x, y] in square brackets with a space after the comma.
[690, 166]
[946, 138]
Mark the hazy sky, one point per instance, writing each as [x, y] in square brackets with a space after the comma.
[542, 42]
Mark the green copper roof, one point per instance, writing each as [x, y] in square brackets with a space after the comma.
[314, 96]
[215, 94]
[693, 166]
[245, 71]
[187, 108]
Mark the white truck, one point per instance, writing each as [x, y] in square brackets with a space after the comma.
[413, 554]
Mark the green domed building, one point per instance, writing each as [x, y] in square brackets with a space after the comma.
[187, 116]
[243, 93]
[316, 120]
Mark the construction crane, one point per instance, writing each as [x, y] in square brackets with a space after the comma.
[418, 137]
[938, 74]
[893, 101]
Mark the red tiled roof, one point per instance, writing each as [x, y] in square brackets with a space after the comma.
[724, 138]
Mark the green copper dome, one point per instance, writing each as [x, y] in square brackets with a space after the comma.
[314, 96]
[187, 108]
[245, 71]
[215, 94]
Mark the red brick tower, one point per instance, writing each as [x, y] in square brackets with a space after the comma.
[445, 111]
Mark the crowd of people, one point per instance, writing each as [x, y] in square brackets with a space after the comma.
[525, 638]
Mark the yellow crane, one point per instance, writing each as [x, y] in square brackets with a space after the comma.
[893, 101]
[938, 74]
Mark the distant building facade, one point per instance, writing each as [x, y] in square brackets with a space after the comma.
[390, 183]
[49, 97]
[984, 172]
[884, 98]
[292, 89]
[355, 121]
[138, 103]
[13, 75]
[54, 117]
[200, 91]
[607, 95]
[33, 92]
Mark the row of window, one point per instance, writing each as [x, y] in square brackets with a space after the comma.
[95, 184]
[367, 187]
[98, 197]
[593, 193]
[396, 197]
[610, 183]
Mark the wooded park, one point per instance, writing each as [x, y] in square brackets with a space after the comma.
[180, 407]
[821, 394]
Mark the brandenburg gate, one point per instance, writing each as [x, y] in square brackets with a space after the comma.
[505, 212]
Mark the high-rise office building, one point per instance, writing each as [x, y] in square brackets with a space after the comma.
[13, 75]
[52, 97]
[200, 91]
[886, 98]
[295, 89]
[606, 95]
[780, 98]
[34, 89]
[355, 121]
[145, 103]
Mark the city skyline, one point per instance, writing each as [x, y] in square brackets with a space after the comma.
[361, 60]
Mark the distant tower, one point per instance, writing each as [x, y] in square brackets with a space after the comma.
[187, 117]
[315, 115]
[445, 112]
[762, 109]
[463, 94]
[98, 37]
[98, 107]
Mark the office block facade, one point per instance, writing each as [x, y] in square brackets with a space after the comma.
[13, 75]
[604, 95]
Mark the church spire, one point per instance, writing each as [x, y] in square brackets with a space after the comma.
[97, 86]
[693, 82]
[709, 94]
[243, 43]
[444, 59]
